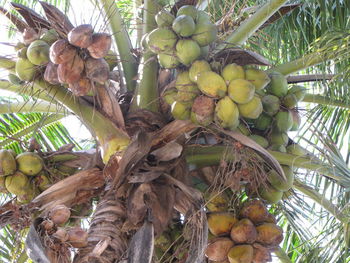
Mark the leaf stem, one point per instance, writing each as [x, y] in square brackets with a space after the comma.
[319, 99]
[31, 106]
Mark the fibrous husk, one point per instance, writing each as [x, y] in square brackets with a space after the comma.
[7, 163]
[61, 52]
[29, 163]
[243, 232]
[71, 71]
[77, 237]
[51, 74]
[82, 87]
[269, 234]
[203, 110]
[81, 36]
[218, 248]
[101, 44]
[59, 215]
[261, 254]
[241, 254]
[61, 234]
[255, 210]
[220, 223]
[97, 70]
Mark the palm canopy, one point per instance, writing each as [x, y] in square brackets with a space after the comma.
[314, 217]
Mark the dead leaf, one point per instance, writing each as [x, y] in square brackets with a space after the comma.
[16, 21]
[168, 152]
[241, 57]
[279, 14]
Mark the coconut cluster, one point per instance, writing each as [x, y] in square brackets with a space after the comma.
[205, 96]
[248, 238]
[181, 39]
[22, 175]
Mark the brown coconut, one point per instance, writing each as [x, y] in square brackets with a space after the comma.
[97, 69]
[47, 224]
[61, 52]
[261, 254]
[71, 71]
[271, 219]
[101, 44]
[82, 87]
[255, 210]
[77, 237]
[59, 215]
[220, 223]
[244, 231]
[218, 248]
[81, 36]
[61, 234]
[51, 75]
[29, 35]
[269, 234]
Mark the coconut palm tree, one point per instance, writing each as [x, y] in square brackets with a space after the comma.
[146, 188]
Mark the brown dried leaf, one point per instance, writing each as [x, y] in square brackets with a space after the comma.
[168, 152]
[279, 14]
[136, 207]
[241, 57]
[144, 177]
[141, 244]
[16, 21]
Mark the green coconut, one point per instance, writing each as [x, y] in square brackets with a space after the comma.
[7, 163]
[14, 79]
[38, 52]
[28, 196]
[296, 149]
[289, 101]
[278, 85]
[17, 183]
[205, 33]
[50, 36]
[284, 121]
[298, 91]
[181, 110]
[259, 140]
[242, 128]
[187, 90]
[203, 110]
[226, 113]
[270, 194]
[164, 18]
[187, 51]
[22, 53]
[252, 109]
[25, 70]
[279, 183]
[204, 52]
[29, 163]
[241, 91]
[278, 148]
[241, 254]
[211, 84]
[161, 39]
[184, 25]
[264, 122]
[271, 104]
[169, 95]
[232, 71]
[168, 59]
[197, 67]
[42, 181]
[188, 10]
[279, 138]
[202, 17]
[257, 77]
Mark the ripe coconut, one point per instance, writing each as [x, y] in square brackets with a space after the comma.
[51, 74]
[269, 234]
[97, 70]
[279, 183]
[184, 25]
[255, 210]
[270, 194]
[263, 123]
[218, 248]
[227, 113]
[28, 196]
[279, 138]
[243, 232]
[61, 52]
[232, 71]
[181, 110]
[259, 140]
[168, 59]
[164, 18]
[241, 254]
[271, 219]
[71, 71]
[284, 121]
[29, 163]
[220, 223]
[187, 51]
[61, 234]
[261, 254]
[205, 33]
[7, 163]
[100, 45]
[50, 36]
[82, 87]
[81, 36]
[197, 67]
[188, 10]
[25, 70]
[59, 215]
[257, 77]
[17, 183]
[252, 109]
[278, 85]
[161, 39]
[77, 237]
[2, 185]
[241, 91]
[211, 84]
[203, 110]
[217, 202]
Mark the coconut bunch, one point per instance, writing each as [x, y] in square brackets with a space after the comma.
[22, 175]
[181, 39]
[205, 96]
[248, 238]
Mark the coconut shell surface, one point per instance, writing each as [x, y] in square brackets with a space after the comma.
[244, 231]
[269, 234]
[255, 210]
[71, 71]
[218, 248]
[82, 87]
[81, 36]
[97, 69]
[101, 44]
[61, 52]
[51, 75]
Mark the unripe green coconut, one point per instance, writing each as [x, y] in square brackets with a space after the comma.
[14, 79]
[168, 60]
[184, 25]
[278, 148]
[205, 33]
[7, 163]
[271, 104]
[181, 110]
[25, 70]
[289, 101]
[22, 53]
[17, 184]
[298, 91]
[270, 194]
[38, 52]
[232, 72]
[187, 51]
[278, 85]
[19, 46]
[188, 10]
[283, 121]
[50, 36]
[197, 67]
[187, 90]
[279, 138]
[226, 113]
[241, 254]
[241, 91]
[263, 122]
[279, 183]
[259, 140]
[202, 17]
[296, 149]
[252, 109]
[203, 110]
[42, 181]
[161, 40]
[29, 163]
[204, 52]
[164, 18]
[211, 84]
[28, 196]
[257, 77]
[169, 95]
[296, 121]
[243, 129]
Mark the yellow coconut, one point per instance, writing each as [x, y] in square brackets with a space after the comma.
[197, 67]
[269, 234]
[252, 109]
[241, 254]
[187, 51]
[257, 77]
[181, 110]
[29, 163]
[241, 91]
[187, 90]
[255, 210]
[169, 95]
[243, 232]
[217, 202]
[17, 184]
[211, 84]
[25, 70]
[220, 223]
[232, 71]
[7, 163]
[226, 113]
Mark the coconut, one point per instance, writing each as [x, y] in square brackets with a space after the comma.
[161, 39]
[7, 163]
[197, 67]
[50, 36]
[296, 149]
[2, 185]
[211, 84]
[181, 110]
[203, 110]
[261, 254]
[255, 210]
[232, 72]
[271, 104]
[168, 59]
[184, 25]
[278, 85]
[22, 53]
[279, 138]
[19, 46]
[61, 234]
[263, 122]
[218, 248]
[77, 237]
[101, 44]
[259, 140]
[82, 87]
[271, 219]
[243, 232]
[112, 59]
[187, 90]
[29, 163]
[188, 10]
[204, 52]
[51, 74]
[97, 70]
[252, 109]
[243, 129]
[71, 71]
[289, 101]
[187, 51]
[269, 234]
[59, 214]
[164, 18]
[17, 184]
[81, 36]
[47, 224]
[61, 52]
[257, 77]
[270, 194]
[241, 254]
[42, 181]
[279, 183]
[13, 79]
[284, 121]
[25, 70]
[28, 195]
[29, 35]
[278, 148]
[296, 121]
[220, 223]
[217, 202]
[205, 33]
[298, 91]
[169, 95]
[241, 91]
[226, 113]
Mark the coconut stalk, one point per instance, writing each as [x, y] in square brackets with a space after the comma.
[252, 24]
[122, 41]
[31, 106]
[319, 99]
